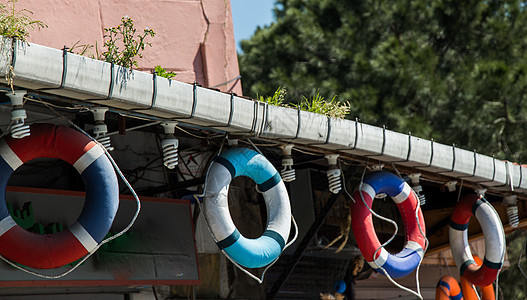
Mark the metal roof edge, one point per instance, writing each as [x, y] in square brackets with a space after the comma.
[63, 73]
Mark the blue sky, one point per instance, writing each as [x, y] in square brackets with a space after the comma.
[247, 15]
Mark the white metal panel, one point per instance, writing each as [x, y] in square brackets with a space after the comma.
[174, 98]
[313, 128]
[85, 78]
[395, 146]
[243, 115]
[341, 135]
[484, 170]
[37, 67]
[280, 123]
[516, 174]
[442, 158]
[132, 89]
[370, 140]
[523, 181]
[212, 107]
[420, 152]
[463, 163]
[501, 174]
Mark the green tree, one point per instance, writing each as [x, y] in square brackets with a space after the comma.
[450, 70]
[455, 71]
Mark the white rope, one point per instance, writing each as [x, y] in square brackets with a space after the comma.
[344, 183]
[132, 221]
[418, 293]
[475, 291]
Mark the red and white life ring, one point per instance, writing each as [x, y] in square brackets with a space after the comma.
[100, 206]
[494, 240]
[404, 262]
[487, 292]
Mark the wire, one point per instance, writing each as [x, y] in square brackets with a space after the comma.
[254, 146]
[307, 152]
[132, 221]
[226, 82]
[135, 128]
[344, 182]
[35, 99]
[264, 144]
[194, 135]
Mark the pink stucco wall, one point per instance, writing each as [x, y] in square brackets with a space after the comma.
[194, 38]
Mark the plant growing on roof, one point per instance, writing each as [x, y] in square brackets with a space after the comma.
[277, 99]
[317, 104]
[160, 71]
[133, 43]
[17, 23]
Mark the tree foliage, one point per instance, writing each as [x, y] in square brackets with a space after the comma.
[450, 70]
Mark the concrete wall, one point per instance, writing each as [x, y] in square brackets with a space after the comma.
[194, 38]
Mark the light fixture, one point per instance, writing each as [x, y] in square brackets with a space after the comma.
[451, 185]
[287, 173]
[170, 145]
[99, 128]
[333, 173]
[18, 115]
[418, 189]
[512, 210]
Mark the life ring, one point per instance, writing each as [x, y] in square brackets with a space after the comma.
[448, 289]
[404, 262]
[494, 240]
[487, 292]
[102, 197]
[250, 253]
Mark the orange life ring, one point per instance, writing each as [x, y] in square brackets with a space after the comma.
[448, 289]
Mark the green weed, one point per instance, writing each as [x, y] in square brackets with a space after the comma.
[277, 99]
[17, 23]
[160, 71]
[133, 43]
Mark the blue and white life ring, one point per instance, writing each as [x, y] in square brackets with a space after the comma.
[250, 253]
[102, 197]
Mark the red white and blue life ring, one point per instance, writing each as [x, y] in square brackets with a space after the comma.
[102, 197]
[494, 235]
[250, 253]
[404, 262]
